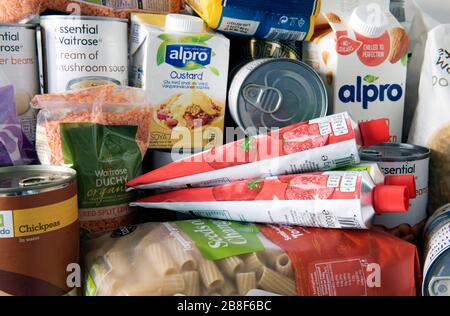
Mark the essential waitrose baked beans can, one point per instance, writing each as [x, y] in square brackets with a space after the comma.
[275, 92]
[81, 52]
[39, 230]
[403, 159]
[436, 273]
[19, 67]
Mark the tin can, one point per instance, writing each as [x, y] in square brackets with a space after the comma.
[244, 50]
[39, 230]
[274, 93]
[19, 67]
[403, 159]
[81, 52]
[436, 273]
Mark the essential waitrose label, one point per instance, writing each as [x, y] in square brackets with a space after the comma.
[18, 67]
[222, 239]
[82, 53]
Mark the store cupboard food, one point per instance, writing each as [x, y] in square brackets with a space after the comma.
[212, 257]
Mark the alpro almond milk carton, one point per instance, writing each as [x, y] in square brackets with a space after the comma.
[361, 55]
[183, 67]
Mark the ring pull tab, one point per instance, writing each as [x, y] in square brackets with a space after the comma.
[439, 286]
[38, 180]
[266, 99]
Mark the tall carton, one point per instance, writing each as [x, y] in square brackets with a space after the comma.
[360, 51]
[183, 67]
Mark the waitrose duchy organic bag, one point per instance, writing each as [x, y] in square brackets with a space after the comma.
[212, 257]
[102, 132]
[431, 124]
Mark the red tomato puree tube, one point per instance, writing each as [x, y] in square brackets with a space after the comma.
[335, 199]
[322, 144]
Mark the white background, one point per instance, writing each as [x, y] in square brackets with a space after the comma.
[438, 9]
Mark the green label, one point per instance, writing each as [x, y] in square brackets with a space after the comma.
[2, 221]
[90, 287]
[217, 239]
[105, 157]
[357, 168]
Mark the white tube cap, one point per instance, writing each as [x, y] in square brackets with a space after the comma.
[184, 23]
[369, 20]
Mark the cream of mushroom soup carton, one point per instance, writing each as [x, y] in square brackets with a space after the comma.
[362, 58]
[183, 67]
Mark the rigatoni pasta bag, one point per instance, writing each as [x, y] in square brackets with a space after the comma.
[203, 257]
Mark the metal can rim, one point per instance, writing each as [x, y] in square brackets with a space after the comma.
[435, 218]
[15, 25]
[82, 18]
[72, 175]
[424, 153]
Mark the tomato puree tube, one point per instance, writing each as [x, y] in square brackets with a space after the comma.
[335, 199]
[318, 145]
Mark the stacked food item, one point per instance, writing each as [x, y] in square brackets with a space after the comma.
[221, 148]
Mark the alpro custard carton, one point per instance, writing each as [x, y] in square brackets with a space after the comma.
[183, 68]
[362, 58]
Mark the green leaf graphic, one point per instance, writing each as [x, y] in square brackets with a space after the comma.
[192, 66]
[405, 60]
[370, 78]
[166, 37]
[161, 54]
[247, 144]
[255, 185]
[214, 70]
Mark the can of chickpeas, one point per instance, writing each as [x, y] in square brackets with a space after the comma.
[81, 52]
[19, 67]
[39, 230]
[403, 159]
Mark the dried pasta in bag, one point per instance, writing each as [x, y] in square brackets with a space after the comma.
[230, 260]
[102, 132]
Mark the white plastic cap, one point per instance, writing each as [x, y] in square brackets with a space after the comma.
[184, 23]
[369, 20]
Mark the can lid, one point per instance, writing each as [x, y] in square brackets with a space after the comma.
[374, 132]
[33, 179]
[439, 286]
[184, 23]
[274, 93]
[406, 180]
[369, 21]
[391, 152]
[390, 199]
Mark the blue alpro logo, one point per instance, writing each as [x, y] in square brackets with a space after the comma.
[366, 91]
[188, 57]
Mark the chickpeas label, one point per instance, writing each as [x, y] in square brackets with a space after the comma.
[18, 67]
[81, 53]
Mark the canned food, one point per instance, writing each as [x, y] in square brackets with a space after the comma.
[436, 273]
[403, 159]
[19, 67]
[81, 52]
[274, 93]
[39, 231]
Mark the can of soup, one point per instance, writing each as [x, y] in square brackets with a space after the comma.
[403, 159]
[81, 52]
[39, 230]
[19, 67]
[274, 93]
[436, 273]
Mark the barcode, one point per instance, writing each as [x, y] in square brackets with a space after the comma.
[344, 162]
[346, 222]
[286, 35]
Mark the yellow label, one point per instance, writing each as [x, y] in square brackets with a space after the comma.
[45, 219]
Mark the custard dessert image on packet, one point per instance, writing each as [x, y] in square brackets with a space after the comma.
[101, 132]
[333, 199]
[206, 257]
[321, 144]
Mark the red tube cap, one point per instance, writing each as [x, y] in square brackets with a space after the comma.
[406, 180]
[390, 199]
[374, 132]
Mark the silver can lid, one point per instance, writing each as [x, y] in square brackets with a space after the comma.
[279, 93]
[391, 152]
[25, 180]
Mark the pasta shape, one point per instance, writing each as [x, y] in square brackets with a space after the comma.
[172, 284]
[253, 262]
[275, 282]
[161, 259]
[231, 265]
[184, 259]
[192, 283]
[211, 276]
[245, 282]
[283, 265]
[228, 288]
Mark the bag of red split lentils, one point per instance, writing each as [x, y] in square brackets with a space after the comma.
[102, 132]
